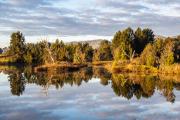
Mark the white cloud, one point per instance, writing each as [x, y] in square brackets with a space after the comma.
[91, 17]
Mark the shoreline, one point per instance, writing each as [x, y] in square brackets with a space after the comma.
[108, 65]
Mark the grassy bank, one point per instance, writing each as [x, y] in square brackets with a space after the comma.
[131, 67]
[101, 63]
[6, 61]
[63, 65]
[171, 69]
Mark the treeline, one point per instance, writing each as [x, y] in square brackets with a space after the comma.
[141, 44]
[127, 44]
[44, 52]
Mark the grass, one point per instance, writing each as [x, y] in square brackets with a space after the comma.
[171, 69]
[101, 63]
[67, 65]
[135, 67]
[6, 60]
[7, 67]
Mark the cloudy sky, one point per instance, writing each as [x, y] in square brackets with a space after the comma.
[85, 19]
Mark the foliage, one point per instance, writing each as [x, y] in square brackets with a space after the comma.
[35, 53]
[125, 46]
[124, 50]
[17, 45]
[142, 38]
[167, 57]
[1, 50]
[59, 50]
[104, 52]
[116, 40]
[148, 56]
[177, 50]
[83, 53]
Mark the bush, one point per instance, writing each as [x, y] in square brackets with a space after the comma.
[148, 56]
[167, 57]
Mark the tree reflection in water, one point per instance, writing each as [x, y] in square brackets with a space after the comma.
[124, 85]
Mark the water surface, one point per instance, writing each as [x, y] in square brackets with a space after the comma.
[87, 94]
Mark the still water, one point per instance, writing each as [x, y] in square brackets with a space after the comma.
[87, 94]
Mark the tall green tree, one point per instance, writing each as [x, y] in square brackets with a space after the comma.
[148, 56]
[168, 56]
[116, 40]
[125, 47]
[17, 45]
[59, 50]
[142, 38]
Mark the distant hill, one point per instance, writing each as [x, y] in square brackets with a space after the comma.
[160, 36]
[94, 43]
[164, 37]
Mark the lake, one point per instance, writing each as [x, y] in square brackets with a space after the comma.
[87, 94]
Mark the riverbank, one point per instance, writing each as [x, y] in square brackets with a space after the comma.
[111, 66]
[128, 67]
[64, 65]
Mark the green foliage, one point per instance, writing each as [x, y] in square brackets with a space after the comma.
[59, 50]
[1, 50]
[167, 57]
[17, 45]
[126, 42]
[35, 53]
[161, 52]
[83, 53]
[116, 40]
[124, 48]
[28, 58]
[125, 45]
[104, 52]
[159, 44]
[142, 38]
[177, 50]
[70, 50]
[148, 56]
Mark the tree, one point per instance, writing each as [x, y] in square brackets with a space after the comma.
[148, 35]
[139, 41]
[104, 52]
[17, 83]
[177, 50]
[88, 52]
[17, 45]
[167, 57]
[83, 53]
[35, 53]
[125, 48]
[148, 56]
[28, 58]
[158, 48]
[70, 51]
[116, 40]
[58, 50]
[142, 38]
[1, 50]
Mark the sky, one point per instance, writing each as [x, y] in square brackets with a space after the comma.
[72, 20]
